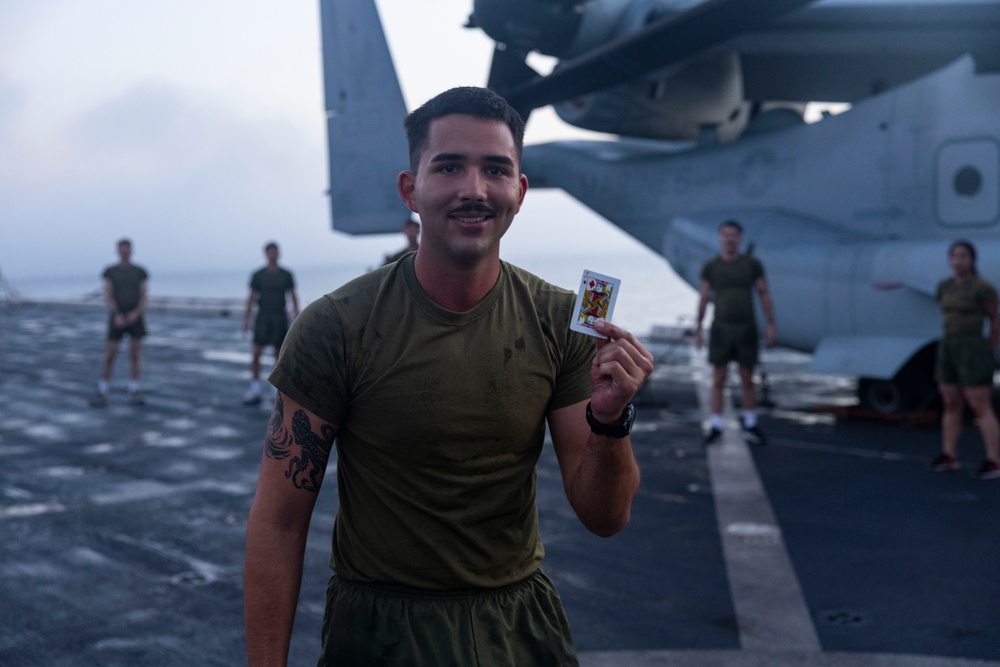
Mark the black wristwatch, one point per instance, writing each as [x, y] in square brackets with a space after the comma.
[618, 429]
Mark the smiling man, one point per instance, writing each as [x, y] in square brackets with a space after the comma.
[436, 376]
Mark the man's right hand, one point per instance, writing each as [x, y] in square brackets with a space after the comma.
[697, 338]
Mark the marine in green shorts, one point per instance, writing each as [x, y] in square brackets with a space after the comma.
[966, 360]
[730, 280]
[125, 294]
[433, 380]
[268, 289]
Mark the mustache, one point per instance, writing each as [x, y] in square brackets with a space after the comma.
[473, 208]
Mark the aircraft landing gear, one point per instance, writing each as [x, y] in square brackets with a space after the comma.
[896, 395]
[913, 387]
[884, 396]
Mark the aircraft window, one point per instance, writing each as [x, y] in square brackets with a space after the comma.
[968, 171]
[968, 181]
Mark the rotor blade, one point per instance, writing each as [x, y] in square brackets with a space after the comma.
[663, 42]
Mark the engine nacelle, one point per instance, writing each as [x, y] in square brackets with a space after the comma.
[680, 104]
[566, 28]
[705, 96]
[546, 26]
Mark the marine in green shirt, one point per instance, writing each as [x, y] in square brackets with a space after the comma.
[125, 294]
[436, 376]
[731, 278]
[268, 288]
[966, 360]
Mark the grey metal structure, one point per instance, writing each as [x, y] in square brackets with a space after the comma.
[851, 215]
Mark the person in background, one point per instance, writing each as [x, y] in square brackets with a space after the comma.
[268, 289]
[732, 276]
[436, 376]
[125, 294]
[412, 230]
[966, 360]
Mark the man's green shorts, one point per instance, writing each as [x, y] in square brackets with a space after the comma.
[964, 359]
[380, 624]
[136, 329]
[733, 342]
[270, 329]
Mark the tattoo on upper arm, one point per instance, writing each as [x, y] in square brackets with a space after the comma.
[306, 469]
[277, 439]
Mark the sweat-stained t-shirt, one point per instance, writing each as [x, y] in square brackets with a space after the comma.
[441, 420]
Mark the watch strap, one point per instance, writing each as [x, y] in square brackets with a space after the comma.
[618, 429]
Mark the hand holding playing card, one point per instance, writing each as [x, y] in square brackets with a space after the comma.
[621, 365]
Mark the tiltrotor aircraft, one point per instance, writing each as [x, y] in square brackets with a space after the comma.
[852, 215]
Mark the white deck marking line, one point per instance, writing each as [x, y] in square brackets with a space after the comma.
[797, 644]
[771, 611]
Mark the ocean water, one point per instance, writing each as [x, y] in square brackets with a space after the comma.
[651, 293]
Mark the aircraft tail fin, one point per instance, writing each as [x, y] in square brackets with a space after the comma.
[365, 111]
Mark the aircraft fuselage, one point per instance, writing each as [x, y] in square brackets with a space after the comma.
[852, 216]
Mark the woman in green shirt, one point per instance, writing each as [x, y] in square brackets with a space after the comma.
[965, 359]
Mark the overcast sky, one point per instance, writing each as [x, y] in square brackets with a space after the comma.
[197, 128]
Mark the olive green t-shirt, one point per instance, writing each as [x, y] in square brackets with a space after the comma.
[733, 284]
[963, 305]
[442, 419]
[270, 286]
[126, 282]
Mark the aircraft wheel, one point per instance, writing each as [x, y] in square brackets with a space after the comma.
[885, 396]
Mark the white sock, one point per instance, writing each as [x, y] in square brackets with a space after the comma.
[254, 387]
[749, 418]
[102, 386]
[715, 421]
[133, 386]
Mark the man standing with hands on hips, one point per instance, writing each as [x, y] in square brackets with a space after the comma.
[436, 377]
[732, 276]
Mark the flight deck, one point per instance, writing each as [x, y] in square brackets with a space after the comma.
[122, 528]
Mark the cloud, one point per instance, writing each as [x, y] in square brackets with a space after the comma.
[12, 103]
[197, 129]
[160, 130]
[173, 168]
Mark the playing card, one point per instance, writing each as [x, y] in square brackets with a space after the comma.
[595, 301]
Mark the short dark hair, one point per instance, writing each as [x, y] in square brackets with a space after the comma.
[731, 223]
[124, 241]
[468, 101]
[270, 244]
